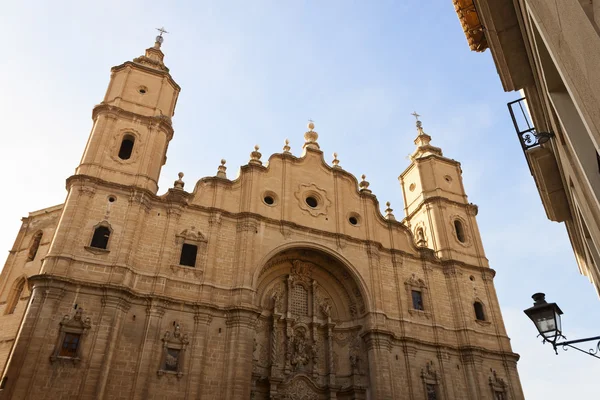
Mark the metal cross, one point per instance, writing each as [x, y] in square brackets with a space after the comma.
[161, 30]
[414, 113]
[310, 120]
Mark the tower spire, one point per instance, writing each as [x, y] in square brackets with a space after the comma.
[422, 141]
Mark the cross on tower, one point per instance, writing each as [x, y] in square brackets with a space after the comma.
[161, 30]
[414, 113]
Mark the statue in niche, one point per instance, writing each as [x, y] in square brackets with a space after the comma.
[355, 355]
[326, 309]
[299, 351]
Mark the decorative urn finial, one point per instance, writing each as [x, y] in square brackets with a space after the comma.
[388, 212]
[255, 156]
[221, 170]
[286, 147]
[179, 184]
[364, 185]
[311, 136]
[335, 162]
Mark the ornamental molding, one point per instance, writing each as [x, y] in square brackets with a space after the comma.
[429, 374]
[467, 235]
[496, 383]
[115, 145]
[191, 235]
[312, 190]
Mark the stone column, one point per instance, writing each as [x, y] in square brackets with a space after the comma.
[240, 323]
[472, 363]
[115, 308]
[330, 366]
[147, 364]
[30, 348]
[379, 346]
[196, 354]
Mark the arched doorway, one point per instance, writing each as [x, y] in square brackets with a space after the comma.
[307, 341]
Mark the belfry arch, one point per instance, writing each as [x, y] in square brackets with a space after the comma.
[308, 343]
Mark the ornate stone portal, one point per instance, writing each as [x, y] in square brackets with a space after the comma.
[307, 343]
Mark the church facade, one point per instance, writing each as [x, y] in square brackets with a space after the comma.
[284, 283]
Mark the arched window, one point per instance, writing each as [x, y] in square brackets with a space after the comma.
[35, 245]
[100, 238]
[15, 295]
[126, 147]
[479, 314]
[460, 232]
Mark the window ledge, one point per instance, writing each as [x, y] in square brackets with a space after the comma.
[96, 250]
[63, 359]
[421, 313]
[178, 374]
[483, 323]
[185, 271]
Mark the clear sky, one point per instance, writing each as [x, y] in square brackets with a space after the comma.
[253, 73]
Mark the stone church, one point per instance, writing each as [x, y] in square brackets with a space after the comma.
[286, 282]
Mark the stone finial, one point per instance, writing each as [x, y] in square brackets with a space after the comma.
[310, 137]
[335, 162]
[221, 170]
[364, 185]
[255, 157]
[286, 147]
[388, 212]
[179, 184]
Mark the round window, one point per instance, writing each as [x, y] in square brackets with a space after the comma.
[311, 201]
[269, 200]
[353, 220]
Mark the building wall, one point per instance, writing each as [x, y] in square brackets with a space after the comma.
[551, 50]
[19, 266]
[285, 300]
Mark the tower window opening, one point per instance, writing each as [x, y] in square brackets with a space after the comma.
[35, 245]
[100, 238]
[69, 345]
[460, 232]
[188, 255]
[417, 300]
[15, 296]
[479, 314]
[126, 147]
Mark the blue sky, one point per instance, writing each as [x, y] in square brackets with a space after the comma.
[253, 73]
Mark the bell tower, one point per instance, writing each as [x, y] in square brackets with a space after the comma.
[435, 204]
[132, 126]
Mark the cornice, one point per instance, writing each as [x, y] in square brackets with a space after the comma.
[150, 70]
[469, 20]
[473, 209]
[162, 121]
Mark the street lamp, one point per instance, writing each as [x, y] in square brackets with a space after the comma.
[546, 318]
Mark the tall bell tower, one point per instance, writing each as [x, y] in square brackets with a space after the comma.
[435, 204]
[132, 125]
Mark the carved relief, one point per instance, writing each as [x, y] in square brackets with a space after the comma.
[299, 389]
[322, 201]
[71, 333]
[174, 346]
[300, 336]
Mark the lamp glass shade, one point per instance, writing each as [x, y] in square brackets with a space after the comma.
[546, 323]
[546, 317]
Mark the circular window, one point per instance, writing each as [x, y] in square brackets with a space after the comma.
[112, 199]
[472, 278]
[353, 220]
[412, 187]
[311, 201]
[142, 89]
[269, 198]
[448, 178]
